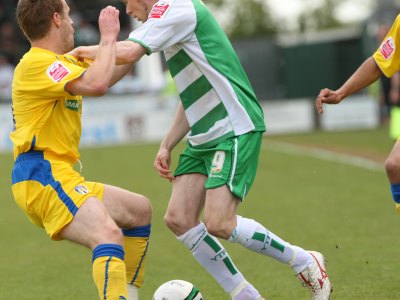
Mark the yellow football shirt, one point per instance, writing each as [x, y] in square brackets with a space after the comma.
[46, 117]
[387, 56]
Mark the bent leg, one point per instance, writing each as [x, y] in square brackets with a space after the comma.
[221, 220]
[133, 213]
[128, 209]
[182, 217]
[186, 203]
[94, 228]
[392, 166]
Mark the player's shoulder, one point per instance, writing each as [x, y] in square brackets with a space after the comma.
[37, 58]
[40, 54]
[34, 61]
[44, 57]
[171, 9]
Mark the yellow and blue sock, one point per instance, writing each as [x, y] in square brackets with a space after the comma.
[136, 243]
[395, 188]
[109, 272]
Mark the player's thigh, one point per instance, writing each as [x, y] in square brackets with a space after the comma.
[186, 202]
[92, 225]
[128, 209]
[50, 192]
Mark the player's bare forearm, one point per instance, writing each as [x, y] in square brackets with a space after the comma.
[365, 75]
[91, 84]
[179, 129]
[96, 80]
[106, 54]
[129, 52]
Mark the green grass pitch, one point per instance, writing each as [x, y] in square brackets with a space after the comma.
[315, 201]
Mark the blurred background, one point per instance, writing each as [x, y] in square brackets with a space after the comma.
[289, 49]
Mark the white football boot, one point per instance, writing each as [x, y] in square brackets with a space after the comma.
[315, 278]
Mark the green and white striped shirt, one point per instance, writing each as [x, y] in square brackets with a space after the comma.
[216, 94]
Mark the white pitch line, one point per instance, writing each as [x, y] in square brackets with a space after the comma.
[327, 155]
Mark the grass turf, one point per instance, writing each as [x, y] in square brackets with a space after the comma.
[343, 211]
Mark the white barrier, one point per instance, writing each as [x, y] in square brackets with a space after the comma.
[6, 126]
[126, 119]
[288, 116]
[131, 118]
[359, 111]
[112, 120]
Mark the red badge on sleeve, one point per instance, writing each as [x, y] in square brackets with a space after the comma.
[159, 10]
[387, 48]
[57, 71]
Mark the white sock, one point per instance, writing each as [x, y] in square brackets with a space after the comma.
[245, 291]
[256, 237]
[301, 259]
[133, 292]
[210, 253]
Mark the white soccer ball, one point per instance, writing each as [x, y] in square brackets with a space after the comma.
[177, 290]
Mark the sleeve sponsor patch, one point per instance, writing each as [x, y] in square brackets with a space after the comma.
[387, 48]
[159, 9]
[57, 71]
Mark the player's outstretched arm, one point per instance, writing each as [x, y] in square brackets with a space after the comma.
[128, 52]
[366, 74]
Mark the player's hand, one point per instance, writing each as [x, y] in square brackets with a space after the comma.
[326, 96]
[162, 164]
[84, 53]
[109, 22]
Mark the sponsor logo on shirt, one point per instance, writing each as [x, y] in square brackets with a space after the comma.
[80, 189]
[387, 48]
[57, 71]
[159, 9]
[72, 105]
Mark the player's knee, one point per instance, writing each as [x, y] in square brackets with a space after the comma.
[142, 213]
[178, 225]
[392, 166]
[146, 211]
[171, 221]
[137, 213]
[218, 228]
